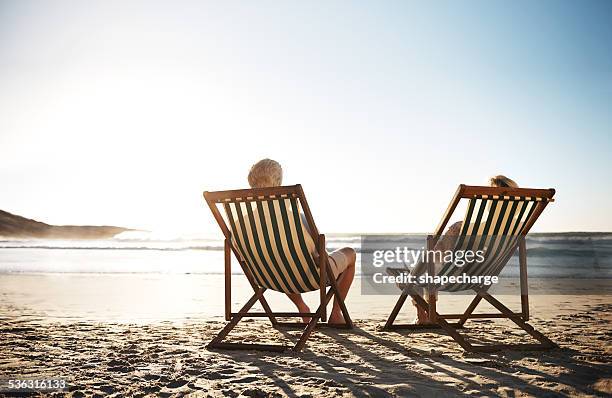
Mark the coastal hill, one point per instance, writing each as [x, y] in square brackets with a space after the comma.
[13, 226]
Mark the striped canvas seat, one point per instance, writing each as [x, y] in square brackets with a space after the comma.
[496, 221]
[273, 241]
[493, 225]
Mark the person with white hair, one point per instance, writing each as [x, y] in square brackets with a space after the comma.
[269, 173]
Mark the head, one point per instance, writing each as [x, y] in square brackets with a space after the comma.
[502, 181]
[266, 173]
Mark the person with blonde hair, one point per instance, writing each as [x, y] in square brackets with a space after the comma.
[502, 181]
[269, 173]
[447, 241]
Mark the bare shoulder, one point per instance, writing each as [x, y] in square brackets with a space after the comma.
[455, 229]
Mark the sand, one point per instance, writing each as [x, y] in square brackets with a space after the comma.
[137, 335]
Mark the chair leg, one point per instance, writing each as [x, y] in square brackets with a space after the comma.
[523, 279]
[262, 299]
[217, 342]
[441, 322]
[234, 321]
[469, 310]
[545, 341]
[268, 310]
[451, 329]
[307, 332]
[329, 295]
[408, 292]
[396, 309]
[334, 290]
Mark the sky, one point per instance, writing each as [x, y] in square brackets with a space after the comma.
[123, 112]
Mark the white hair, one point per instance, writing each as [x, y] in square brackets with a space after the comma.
[266, 173]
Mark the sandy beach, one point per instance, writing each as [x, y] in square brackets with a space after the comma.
[150, 148]
[139, 335]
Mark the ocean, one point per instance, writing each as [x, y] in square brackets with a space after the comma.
[550, 255]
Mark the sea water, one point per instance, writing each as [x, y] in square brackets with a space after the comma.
[550, 255]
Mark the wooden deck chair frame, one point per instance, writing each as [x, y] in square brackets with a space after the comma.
[326, 277]
[437, 320]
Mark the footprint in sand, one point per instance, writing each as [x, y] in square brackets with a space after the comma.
[215, 376]
[176, 383]
[247, 379]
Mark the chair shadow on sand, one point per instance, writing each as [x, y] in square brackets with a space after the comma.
[332, 371]
[367, 362]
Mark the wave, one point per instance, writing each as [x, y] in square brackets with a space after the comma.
[211, 248]
[540, 245]
[569, 252]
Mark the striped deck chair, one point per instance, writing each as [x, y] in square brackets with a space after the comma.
[496, 221]
[264, 230]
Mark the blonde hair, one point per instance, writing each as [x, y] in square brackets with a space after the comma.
[266, 173]
[502, 181]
